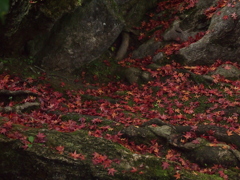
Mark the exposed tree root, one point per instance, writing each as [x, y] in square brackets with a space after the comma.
[17, 93]
[197, 146]
[19, 108]
[123, 47]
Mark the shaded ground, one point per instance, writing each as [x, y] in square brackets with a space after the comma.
[98, 122]
[109, 110]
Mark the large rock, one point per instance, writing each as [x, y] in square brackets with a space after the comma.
[65, 35]
[82, 36]
[189, 24]
[42, 160]
[31, 22]
[222, 42]
[228, 71]
[132, 75]
[147, 48]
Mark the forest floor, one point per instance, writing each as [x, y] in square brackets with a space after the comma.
[171, 96]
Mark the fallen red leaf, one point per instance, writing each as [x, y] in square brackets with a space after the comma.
[165, 165]
[133, 170]
[60, 149]
[177, 175]
[76, 156]
[111, 171]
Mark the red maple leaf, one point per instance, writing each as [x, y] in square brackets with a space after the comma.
[75, 156]
[222, 174]
[98, 158]
[60, 149]
[229, 133]
[134, 169]
[177, 175]
[165, 165]
[188, 135]
[95, 155]
[8, 125]
[3, 131]
[96, 120]
[107, 163]
[196, 141]
[227, 67]
[234, 15]
[136, 100]
[41, 136]
[225, 17]
[211, 132]
[111, 171]
[62, 84]
[164, 116]
[210, 11]
[194, 128]
[105, 128]
[154, 73]
[172, 155]
[117, 161]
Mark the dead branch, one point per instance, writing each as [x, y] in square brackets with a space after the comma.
[17, 93]
[20, 108]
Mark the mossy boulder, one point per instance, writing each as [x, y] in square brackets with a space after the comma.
[64, 36]
[43, 159]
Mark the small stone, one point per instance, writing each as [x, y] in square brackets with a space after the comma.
[153, 66]
[132, 75]
[157, 57]
[162, 131]
[228, 71]
[146, 76]
[147, 49]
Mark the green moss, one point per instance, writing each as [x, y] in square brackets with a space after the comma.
[55, 8]
[135, 10]
[203, 106]
[114, 9]
[159, 109]
[163, 174]
[98, 71]
[74, 117]
[232, 173]
[201, 176]
[25, 68]
[80, 133]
